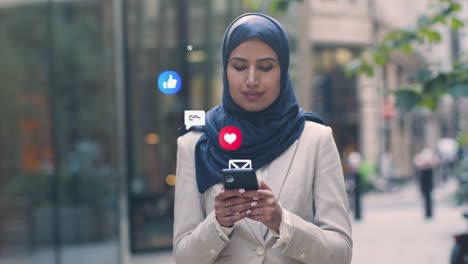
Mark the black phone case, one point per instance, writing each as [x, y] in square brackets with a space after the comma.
[239, 178]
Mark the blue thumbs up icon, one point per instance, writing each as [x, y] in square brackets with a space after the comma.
[169, 82]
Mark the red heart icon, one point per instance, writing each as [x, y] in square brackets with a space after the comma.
[230, 138]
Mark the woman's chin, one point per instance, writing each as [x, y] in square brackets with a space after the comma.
[252, 107]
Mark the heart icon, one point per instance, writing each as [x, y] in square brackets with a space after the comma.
[230, 138]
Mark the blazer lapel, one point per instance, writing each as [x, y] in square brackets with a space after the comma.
[277, 173]
[279, 169]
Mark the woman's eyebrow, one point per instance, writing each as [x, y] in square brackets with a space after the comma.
[266, 59]
[259, 60]
[237, 58]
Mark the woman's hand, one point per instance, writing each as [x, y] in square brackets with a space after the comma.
[264, 207]
[231, 206]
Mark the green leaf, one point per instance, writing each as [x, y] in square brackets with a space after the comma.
[423, 20]
[461, 65]
[359, 66]
[367, 69]
[429, 101]
[406, 48]
[410, 35]
[395, 34]
[456, 23]
[283, 5]
[421, 76]
[463, 139]
[380, 58]
[455, 7]
[432, 35]
[407, 99]
[280, 6]
[252, 4]
[439, 19]
[437, 85]
[459, 90]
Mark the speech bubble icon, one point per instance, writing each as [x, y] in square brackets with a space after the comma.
[194, 118]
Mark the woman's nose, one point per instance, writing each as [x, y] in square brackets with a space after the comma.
[252, 78]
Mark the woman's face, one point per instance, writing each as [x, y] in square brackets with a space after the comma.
[253, 74]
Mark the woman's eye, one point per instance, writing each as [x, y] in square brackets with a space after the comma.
[265, 69]
[239, 68]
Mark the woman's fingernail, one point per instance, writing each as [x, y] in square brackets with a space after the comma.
[242, 190]
[248, 211]
[236, 213]
[255, 198]
[253, 203]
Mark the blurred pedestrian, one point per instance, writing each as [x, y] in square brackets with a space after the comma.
[354, 163]
[425, 162]
[299, 214]
[447, 149]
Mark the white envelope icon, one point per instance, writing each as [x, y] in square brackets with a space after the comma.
[240, 164]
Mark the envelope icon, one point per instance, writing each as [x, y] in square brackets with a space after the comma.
[240, 164]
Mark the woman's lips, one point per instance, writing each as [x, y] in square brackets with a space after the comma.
[252, 96]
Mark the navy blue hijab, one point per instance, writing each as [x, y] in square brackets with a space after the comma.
[266, 133]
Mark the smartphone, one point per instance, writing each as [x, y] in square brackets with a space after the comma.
[240, 178]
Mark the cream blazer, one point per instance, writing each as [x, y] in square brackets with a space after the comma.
[307, 180]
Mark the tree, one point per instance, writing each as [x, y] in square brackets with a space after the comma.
[273, 6]
[427, 86]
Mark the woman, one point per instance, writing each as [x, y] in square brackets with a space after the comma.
[299, 214]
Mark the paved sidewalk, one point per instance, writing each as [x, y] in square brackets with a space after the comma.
[404, 236]
[393, 229]
[409, 196]
[155, 258]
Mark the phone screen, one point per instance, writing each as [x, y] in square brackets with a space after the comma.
[240, 178]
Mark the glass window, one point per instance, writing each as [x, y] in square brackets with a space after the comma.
[154, 45]
[187, 39]
[58, 197]
[335, 95]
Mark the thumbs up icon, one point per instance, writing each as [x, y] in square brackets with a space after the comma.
[169, 82]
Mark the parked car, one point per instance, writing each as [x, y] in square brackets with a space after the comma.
[460, 249]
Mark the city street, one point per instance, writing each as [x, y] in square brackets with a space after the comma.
[393, 229]
[102, 105]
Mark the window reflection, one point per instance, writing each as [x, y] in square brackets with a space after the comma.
[157, 41]
[335, 96]
[58, 145]
[58, 187]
